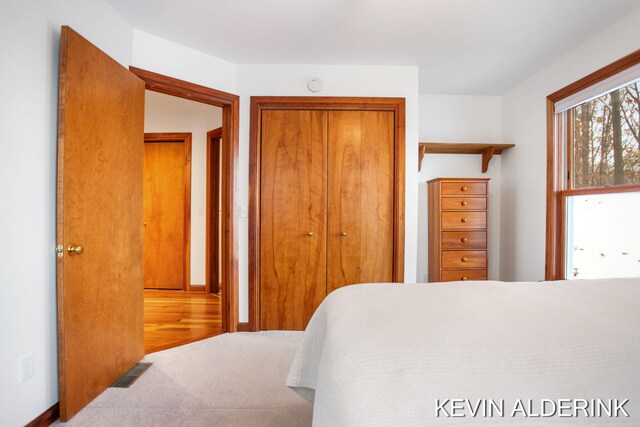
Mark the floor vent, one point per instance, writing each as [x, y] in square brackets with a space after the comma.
[130, 377]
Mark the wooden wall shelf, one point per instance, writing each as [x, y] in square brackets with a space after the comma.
[487, 150]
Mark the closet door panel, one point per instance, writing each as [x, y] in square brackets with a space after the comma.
[293, 217]
[360, 197]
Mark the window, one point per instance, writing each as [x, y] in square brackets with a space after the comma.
[605, 140]
[593, 180]
[603, 235]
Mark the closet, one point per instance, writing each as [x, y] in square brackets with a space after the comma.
[326, 201]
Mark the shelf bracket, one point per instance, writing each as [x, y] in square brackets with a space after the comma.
[487, 155]
[422, 150]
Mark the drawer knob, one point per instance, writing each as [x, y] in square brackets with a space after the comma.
[464, 240]
[465, 259]
[463, 220]
[463, 278]
[463, 203]
[464, 188]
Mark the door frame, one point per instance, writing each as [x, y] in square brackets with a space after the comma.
[230, 105]
[260, 103]
[212, 275]
[182, 138]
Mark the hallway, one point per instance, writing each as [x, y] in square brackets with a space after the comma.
[173, 318]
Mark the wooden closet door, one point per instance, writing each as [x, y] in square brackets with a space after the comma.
[293, 217]
[360, 186]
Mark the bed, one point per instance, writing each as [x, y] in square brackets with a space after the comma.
[413, 354]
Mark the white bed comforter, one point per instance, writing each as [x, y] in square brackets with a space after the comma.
[388, 354]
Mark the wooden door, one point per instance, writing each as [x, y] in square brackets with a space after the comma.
[360, 190]
[164, 215]
[293, 217]
[100, 156]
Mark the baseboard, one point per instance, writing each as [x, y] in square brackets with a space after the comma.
[197, 288]
[47, 417]
[244, 327]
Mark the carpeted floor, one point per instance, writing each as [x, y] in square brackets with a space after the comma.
[229, 380]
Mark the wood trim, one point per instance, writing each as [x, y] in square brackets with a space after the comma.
[215, 133]
[555, 228]
[254, 215]
[554, 239]
[399, 189]
[567, 129]
[212, 276]
[180, 137]
[47, 418]
[183, 89]
[244, 327]
[601, 190]
[397, 105]
[230, 105]
[183, 138]
[597, 76]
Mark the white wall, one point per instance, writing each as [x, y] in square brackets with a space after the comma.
[171, 59]
[458, 118]
[524, 124]
[164, 113]
[29, 48]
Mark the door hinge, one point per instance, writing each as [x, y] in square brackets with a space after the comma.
[60, 251]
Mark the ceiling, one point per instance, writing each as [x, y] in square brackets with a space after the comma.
[481, 47]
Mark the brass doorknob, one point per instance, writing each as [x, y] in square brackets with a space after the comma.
[74, 249]
[310, 234]
[343, 234]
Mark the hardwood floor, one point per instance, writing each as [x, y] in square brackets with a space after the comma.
[173, 318]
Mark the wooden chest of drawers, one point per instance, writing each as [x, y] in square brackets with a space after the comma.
[458, 224]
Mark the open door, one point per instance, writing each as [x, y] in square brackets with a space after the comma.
[99, 222]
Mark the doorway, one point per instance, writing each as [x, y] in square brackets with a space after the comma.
[229, 160]
[179, 177]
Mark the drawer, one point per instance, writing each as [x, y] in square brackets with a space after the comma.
[454, 260]
[463, 240]
[463, 203]
[453, 220]
[462, 187]
[455, 275]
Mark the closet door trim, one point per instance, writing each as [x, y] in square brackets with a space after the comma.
[260, 103]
